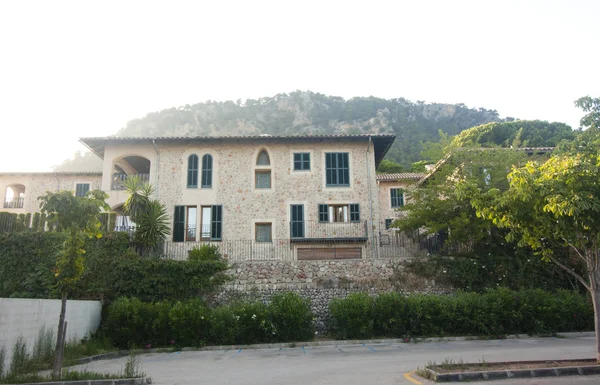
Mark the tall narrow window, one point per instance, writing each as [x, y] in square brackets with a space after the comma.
[217, 223]
[81, 189]
[323, 213]
[354, 213]
[207, 166]
[191, 218]
[179, 224]
[337, 169]
[192, 175]
[397, 195]
[211, 223]
[297, 221]
[262, 174]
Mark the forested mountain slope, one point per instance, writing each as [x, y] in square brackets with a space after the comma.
[299, 113]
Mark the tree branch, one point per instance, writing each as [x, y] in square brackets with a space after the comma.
[574, 274]
[576, 251]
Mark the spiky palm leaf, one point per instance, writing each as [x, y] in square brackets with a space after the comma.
[152, 225]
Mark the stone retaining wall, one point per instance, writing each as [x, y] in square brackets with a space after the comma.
[322, 281]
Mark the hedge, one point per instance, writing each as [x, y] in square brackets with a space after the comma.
[495, 312]
[112, 270]
[131, 322]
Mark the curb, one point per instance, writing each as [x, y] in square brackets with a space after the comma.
[514, 373]
[86, 360]
[124, 381]
[351, 342]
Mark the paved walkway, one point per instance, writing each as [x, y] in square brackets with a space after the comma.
[360, 364]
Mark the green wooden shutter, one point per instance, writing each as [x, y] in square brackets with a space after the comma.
[207, 166]
[192, 177]
[354, 213]
[323, 213]
[179, 224]
[216, 232]
[297, 223]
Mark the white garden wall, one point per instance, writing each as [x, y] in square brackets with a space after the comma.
[25, 317]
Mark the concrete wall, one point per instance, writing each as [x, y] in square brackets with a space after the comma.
[25, 317]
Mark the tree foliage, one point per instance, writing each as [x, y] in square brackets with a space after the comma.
[519, 133]
[149, 215]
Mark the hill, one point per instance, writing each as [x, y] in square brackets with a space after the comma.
[302, 112]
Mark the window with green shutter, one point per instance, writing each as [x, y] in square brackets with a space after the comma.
[192, 174]
[302, 161]
[297, 221]
[81, 189]
[216, 232]
[337, 169]
[323, 213]
[397, 195]
[354, 213]
[179, 224]
[207, 167]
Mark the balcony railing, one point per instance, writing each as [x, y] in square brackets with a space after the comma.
[14, 203]
[306, 230]
[118, 181]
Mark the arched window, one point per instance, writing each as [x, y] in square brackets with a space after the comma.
[207, 167]
[192, 175]
[262, 174]
[263, 159]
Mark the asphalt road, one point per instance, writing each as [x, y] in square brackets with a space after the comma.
[360, 364]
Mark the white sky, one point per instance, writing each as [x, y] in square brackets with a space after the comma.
[83, 68]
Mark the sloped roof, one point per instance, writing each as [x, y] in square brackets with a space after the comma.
[381, 142]
[400, 176]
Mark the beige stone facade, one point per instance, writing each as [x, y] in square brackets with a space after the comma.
[360, 207]
[32, 185]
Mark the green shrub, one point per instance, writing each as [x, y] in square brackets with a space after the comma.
[224, 326]
[112, 270]
[20, 362]
[254, 324]
[495, 312]
[131, 322]
[389, 315]
[190, 323]
[291, 317]
[204, 253]
[352, 316]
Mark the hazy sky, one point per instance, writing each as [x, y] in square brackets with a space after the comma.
[83, 68]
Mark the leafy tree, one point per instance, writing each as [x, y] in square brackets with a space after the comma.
[78, 218]
[150, 216]
[387, 166]
[438, 207]
[556, 204]
[524, 133]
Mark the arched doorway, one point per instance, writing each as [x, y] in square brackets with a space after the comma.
[14, 196]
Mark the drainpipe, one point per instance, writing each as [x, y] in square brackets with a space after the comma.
[157, 166]
[374, 249]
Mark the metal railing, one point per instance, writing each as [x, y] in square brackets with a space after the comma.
[118, 180]
[300, 230]
[14, 203]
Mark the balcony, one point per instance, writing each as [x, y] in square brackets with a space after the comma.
[309, 231]
[14, 203]
[118, 180]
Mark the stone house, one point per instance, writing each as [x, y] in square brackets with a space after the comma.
[263, 197]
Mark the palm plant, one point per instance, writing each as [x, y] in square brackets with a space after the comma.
[149, 215]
